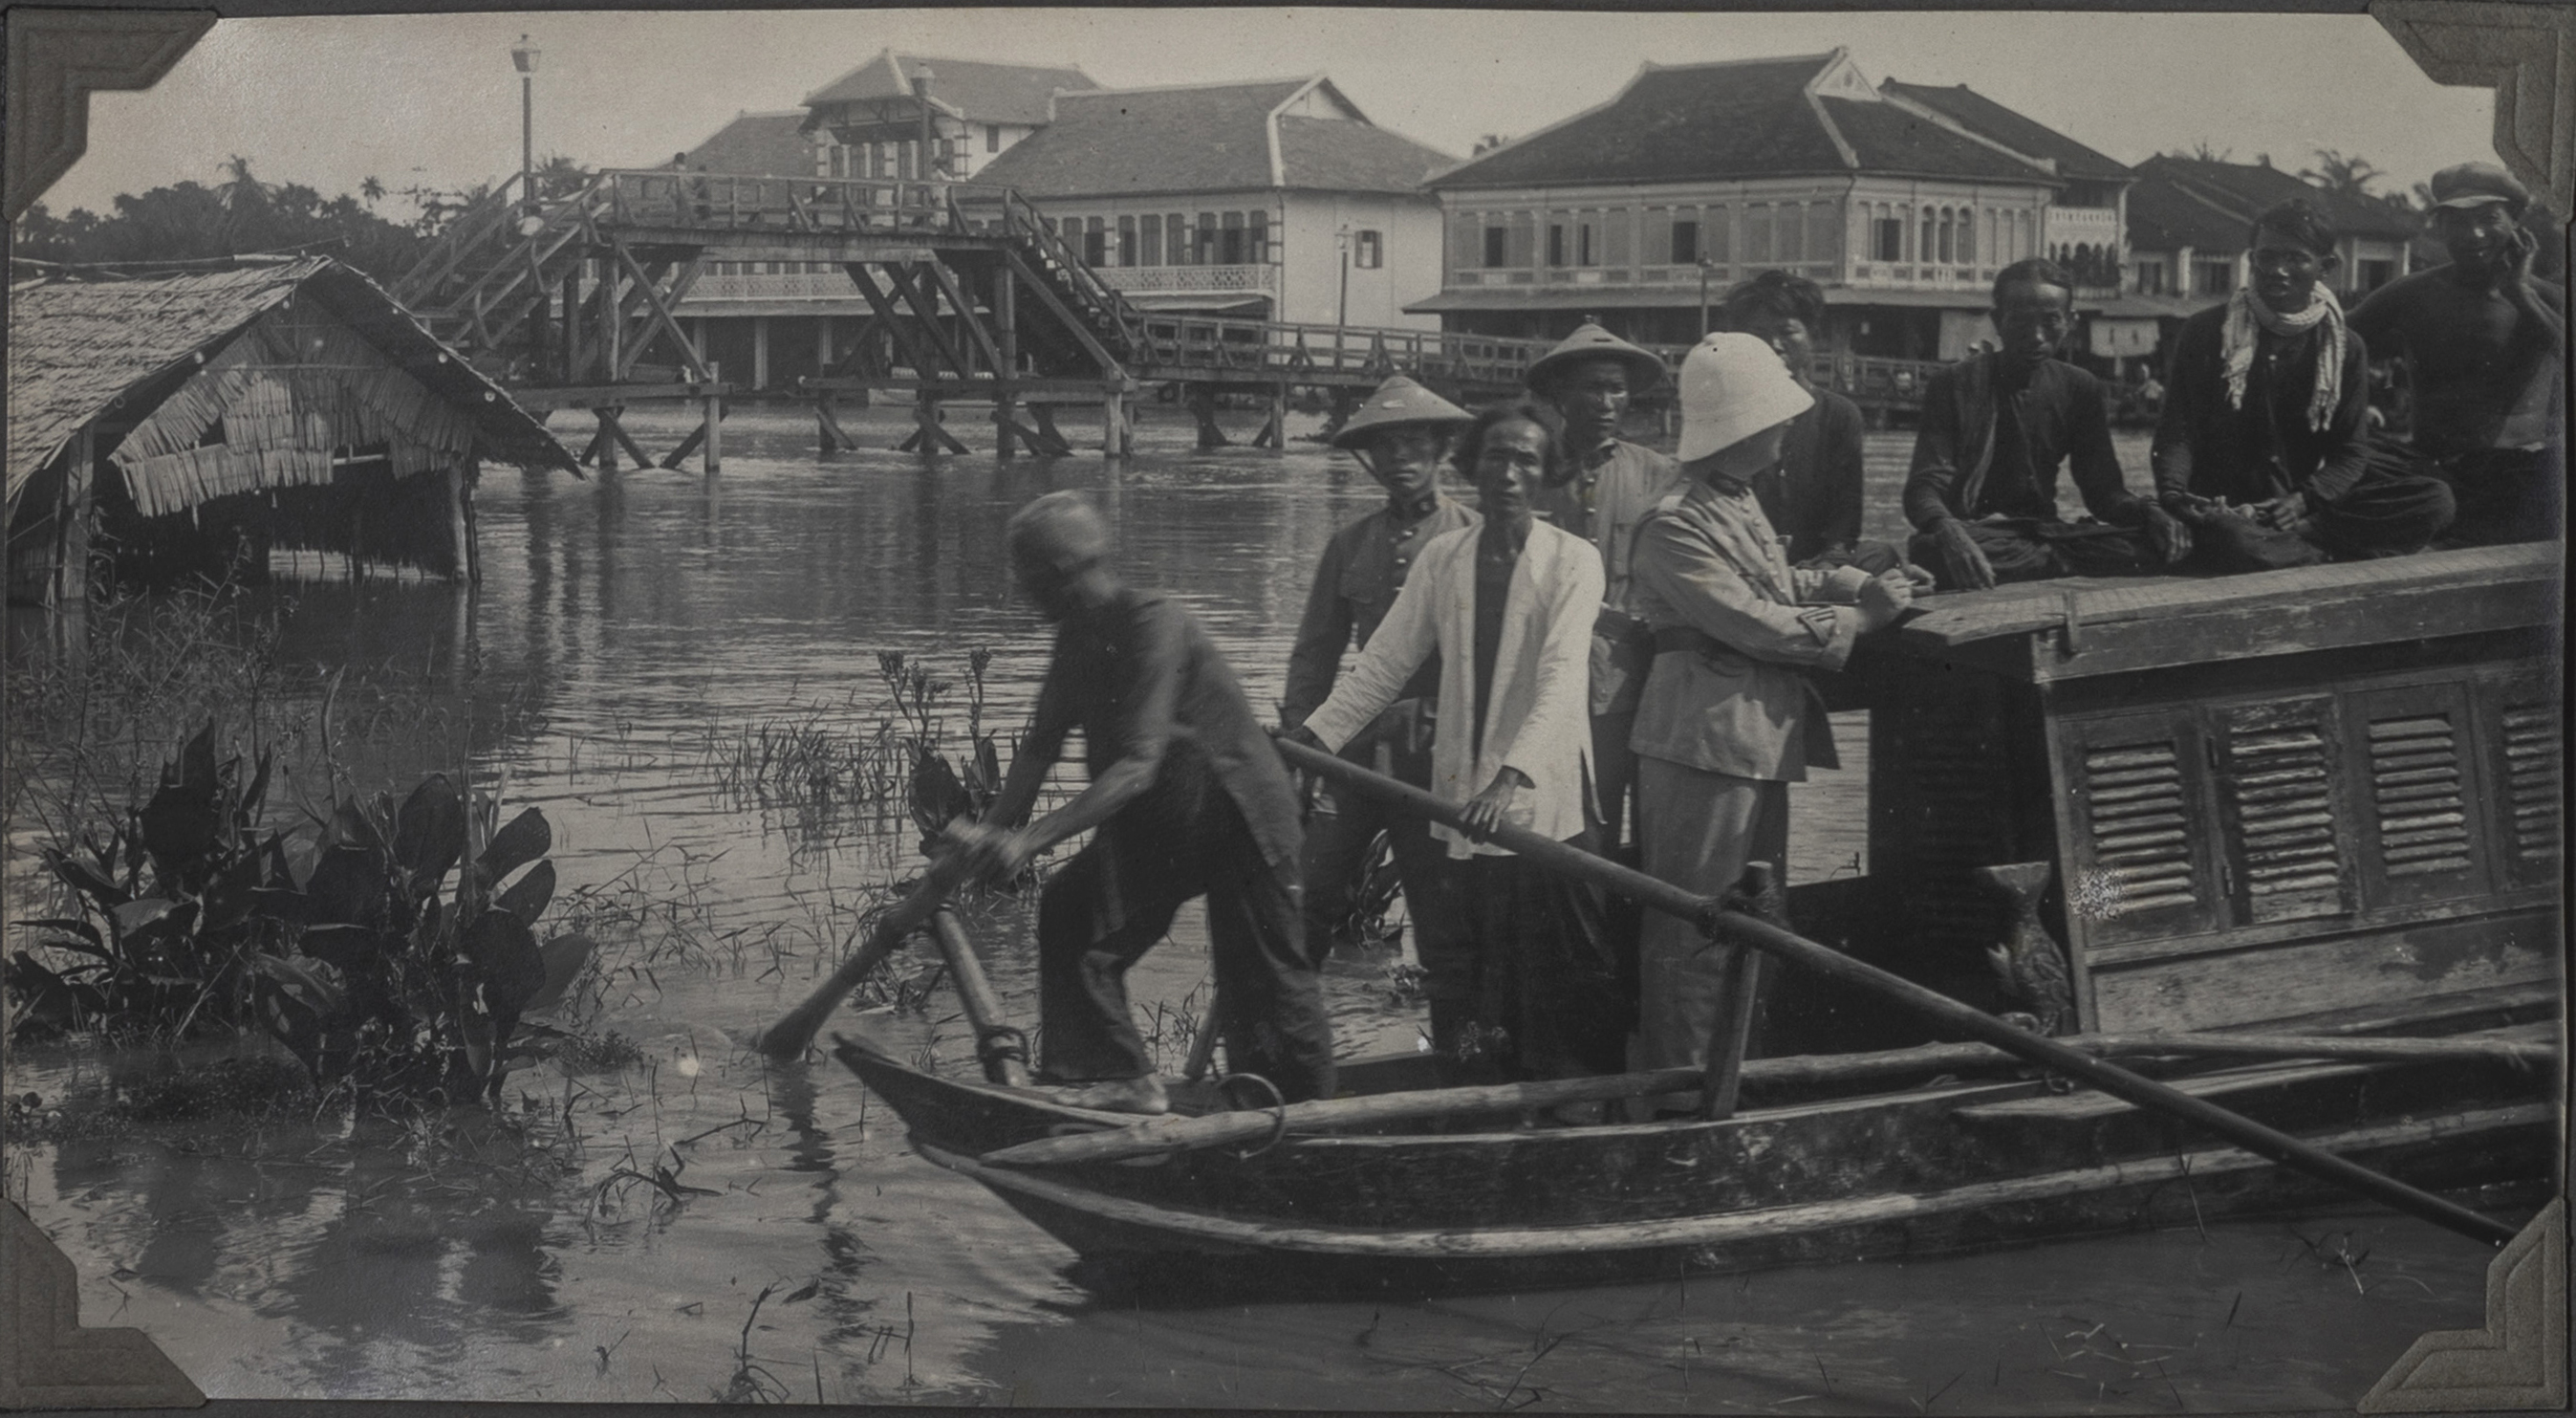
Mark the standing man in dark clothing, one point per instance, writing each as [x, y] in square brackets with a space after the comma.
[2482, 337]
[1399, 436]
[1189, 798]
[2262, 446]
[1983, 492]
[1605, 489]
[1813, 498]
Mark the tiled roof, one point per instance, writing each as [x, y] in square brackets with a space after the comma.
[1204, 138]
[2236, 193]
[981, 91]
[76, 346]
[1342, 155]
[757, 145]
[1886, 138]
[2029, 137]
[1741, 118]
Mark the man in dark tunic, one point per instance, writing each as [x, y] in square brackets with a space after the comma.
[2482, 337]
[1399, 436]
[2263, 445]
[1996, 427]
[1189, 799]
[1606, 487]
[1813, 498]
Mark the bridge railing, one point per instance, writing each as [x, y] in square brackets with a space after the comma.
[1220, 344]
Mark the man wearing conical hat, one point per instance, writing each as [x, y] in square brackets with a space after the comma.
[1728, 718]
[2482, 338]
[1399, 436]
[1606, 489]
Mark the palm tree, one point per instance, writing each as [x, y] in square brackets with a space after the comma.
[2346, 176]
[372, 190]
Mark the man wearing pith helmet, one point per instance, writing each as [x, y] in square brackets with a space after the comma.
[1399, 437]
[1606, 489]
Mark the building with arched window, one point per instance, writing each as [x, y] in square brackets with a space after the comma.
[1902, 201]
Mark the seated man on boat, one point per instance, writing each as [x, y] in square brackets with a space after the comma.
[1508, 607]
[1996, 427]
[1728, 718]
[1189, 798]
[2482, 340]
[1400, 435]
[2263, 446]
[1814, 496]
[1605, 488]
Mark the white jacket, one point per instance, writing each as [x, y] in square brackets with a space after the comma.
[1538, 711]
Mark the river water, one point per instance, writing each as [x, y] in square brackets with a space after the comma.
[633, 633]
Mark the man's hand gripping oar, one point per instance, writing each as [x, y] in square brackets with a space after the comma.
[952, 867]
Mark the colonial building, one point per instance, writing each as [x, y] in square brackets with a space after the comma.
[1277, 198]
[1901, 200]
[869, 122]
[2189, 221]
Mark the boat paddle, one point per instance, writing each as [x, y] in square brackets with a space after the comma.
[2039, 1049]
[791, 1036]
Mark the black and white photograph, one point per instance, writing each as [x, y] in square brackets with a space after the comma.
[1775, 712]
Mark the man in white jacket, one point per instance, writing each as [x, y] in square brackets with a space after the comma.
[1508, 606]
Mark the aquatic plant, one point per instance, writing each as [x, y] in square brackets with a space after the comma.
[361, 961]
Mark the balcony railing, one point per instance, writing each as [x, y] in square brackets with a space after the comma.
[796, 285]
[1191, 280]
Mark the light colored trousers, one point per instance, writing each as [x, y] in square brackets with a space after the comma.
[1697, 829]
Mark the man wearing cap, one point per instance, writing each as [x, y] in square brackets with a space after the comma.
[1606, 488]
[1189, 799]
[2481, 337]
[2263, 445]
[1399, 436]
[1728, 718]
[1996, 427]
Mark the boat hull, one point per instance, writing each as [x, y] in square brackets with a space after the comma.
[1935, 1170]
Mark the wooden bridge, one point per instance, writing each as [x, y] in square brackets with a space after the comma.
[973, 297]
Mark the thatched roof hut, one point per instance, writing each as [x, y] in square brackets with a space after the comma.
[293, 404]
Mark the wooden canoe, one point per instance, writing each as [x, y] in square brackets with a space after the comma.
[1950, 1163]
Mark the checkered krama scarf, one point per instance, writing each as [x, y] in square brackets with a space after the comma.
[2236, 341]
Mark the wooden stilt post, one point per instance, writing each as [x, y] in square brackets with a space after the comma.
[473, 532]
[1202, 399]
[759, 353]
[1006, 340]
[1274, 429]
[1113, 422]
[715, 417]
[607, 440]
[71, 541]
[460, 541]
[1054, 443]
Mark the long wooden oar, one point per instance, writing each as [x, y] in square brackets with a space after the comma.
[1001, 1049]
[1186, 1134]
[792, 1035]
[1949, 1013]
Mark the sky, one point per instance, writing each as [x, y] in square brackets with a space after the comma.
[433, 100]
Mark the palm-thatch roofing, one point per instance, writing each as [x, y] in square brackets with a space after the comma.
[78, 350]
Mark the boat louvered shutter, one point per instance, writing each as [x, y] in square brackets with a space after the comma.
[2528, 794]
[2143, 864]
[2279, 763]
[2421, 842]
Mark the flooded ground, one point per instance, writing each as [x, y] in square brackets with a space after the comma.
[688, 1223]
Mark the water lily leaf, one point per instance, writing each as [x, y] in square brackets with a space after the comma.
[429, 832]
[348, 884]
[563, 956]
[504, 955]
[103, 893]
[527, 897]
[521, 841]
[344, 946]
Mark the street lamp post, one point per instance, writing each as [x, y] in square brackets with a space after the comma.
[524, 59]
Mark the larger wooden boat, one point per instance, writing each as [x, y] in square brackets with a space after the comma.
[2320, 803]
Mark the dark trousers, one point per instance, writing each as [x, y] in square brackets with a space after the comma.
[2028, 549]
[2505, 495]
[1551, 997]
[1614, 775]
[1104, 909]
[2391, 511]
[1339, 833]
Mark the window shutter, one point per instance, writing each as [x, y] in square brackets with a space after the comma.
[2528, 807]
[2420, 843]
[2142, 870]
[2287, 829]
[1466, 241]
